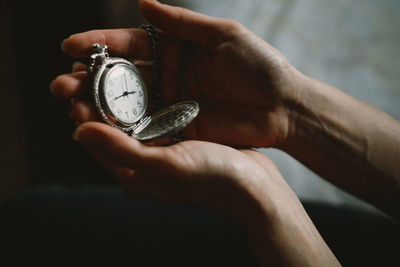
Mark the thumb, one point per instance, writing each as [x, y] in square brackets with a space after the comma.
[118, 146]
[188, 25]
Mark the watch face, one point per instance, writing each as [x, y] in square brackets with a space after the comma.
[124, 93]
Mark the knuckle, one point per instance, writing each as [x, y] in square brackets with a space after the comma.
[181, 16]
[232, 26]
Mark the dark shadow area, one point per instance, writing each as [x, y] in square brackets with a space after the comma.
[35, 33]
[357, 238]
[39, 29]
[101, 225]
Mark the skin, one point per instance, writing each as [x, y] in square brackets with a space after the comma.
[249, 96]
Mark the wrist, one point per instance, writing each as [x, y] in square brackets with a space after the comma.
[277, 227]
[263, 200]
[291, 103]
[284, 235]
[303, 104]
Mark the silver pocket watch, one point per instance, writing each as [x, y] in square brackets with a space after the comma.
[121, 99]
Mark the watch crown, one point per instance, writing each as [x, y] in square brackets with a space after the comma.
[100, 54]
[100, 49]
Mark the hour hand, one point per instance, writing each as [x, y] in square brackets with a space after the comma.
[126, 93]
[130, 93]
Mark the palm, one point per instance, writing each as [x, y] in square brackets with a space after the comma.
[191, 172]
[225, 78]
[190, 164]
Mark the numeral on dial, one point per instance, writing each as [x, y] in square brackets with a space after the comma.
[134, 111]
[139, 104]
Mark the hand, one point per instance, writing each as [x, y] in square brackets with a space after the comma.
[240, 81]
[243, 185]
[190, 172]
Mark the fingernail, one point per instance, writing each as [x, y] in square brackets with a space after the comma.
[77, 134]
[63, 45]
[51, 87]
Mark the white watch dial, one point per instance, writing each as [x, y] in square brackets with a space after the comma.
[125, 93]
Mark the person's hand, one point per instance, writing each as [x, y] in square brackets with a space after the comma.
[241, 184]
[190, 172]
[240, 81]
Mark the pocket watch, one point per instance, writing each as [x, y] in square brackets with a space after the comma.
[121, 98]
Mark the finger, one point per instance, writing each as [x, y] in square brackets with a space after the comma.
[119, 147]
[75, 84]
[84, 111]
[78, 66]
[69, 85]
[191, 26]
[122, 42]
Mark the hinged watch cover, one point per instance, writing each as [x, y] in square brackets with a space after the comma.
[168, 121]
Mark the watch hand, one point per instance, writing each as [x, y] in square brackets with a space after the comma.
[131, 92]
[124, 94]
[126, 84]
